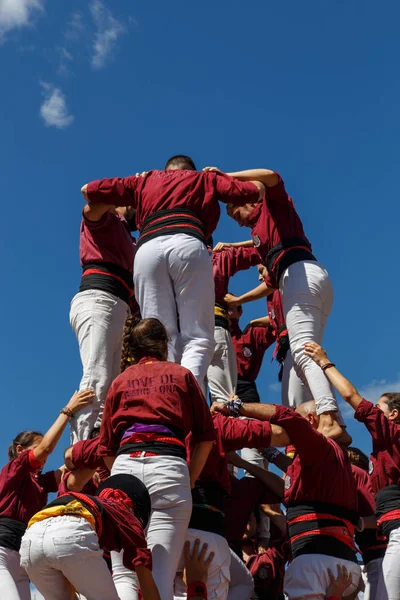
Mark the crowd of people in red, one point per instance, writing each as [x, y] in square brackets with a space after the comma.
[148, 501]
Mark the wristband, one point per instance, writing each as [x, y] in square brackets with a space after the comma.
[233, 407]
[327, 366]
[196, 588]
[271, 454]
[67, 411]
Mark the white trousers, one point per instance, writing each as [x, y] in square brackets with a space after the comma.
[391, 566]
[294, 391]
[372, 574]
[173, 277]
[14, 582]
[219, 571]
[167, 481]
[98, 319]
[222, 372]
[241, 585]
[62, 553]
[307, 576]
[307, 298]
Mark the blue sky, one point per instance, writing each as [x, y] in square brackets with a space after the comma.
[95, 89]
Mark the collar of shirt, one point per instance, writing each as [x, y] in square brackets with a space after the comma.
[147, 359]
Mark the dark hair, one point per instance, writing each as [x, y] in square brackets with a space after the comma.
[358, 458]
[147, 337]
[180, 161]
[392, 399]
[24, 439]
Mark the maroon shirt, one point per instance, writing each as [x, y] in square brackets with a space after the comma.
[320, 471]
[85, 455]
[228, 262]
[246, 494]
[24, 488]
[250, 347]
[164, 190]
[231, 434]
[275, 219]
[107, 241]
[89, 488]
[154, 391]
[385, 457]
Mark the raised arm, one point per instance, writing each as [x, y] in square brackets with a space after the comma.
[116, 191]
[51, 438]
[261, 291]
[265, 176]
[221, 245]
[343, 385]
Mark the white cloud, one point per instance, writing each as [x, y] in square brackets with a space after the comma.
[54, 109]
[373, 391]
[275, 387]
[75, 27]
[108, 30]
[65, 58]
[17, 13]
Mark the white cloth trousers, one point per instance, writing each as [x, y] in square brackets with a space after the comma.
[167, 481]
[14, 582]
[222, 372]
[241, 586]
[98, 319]
[372, 574]
[307, 298]
[62, 553]
[219, 571]
[391, 566]
[173, 278]
[307, 576]
[294, 391]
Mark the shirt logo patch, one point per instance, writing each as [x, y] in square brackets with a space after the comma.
[247, 352]
[288, 482]
[371, 467]
[256, 241]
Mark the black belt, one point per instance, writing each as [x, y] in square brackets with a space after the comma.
[169, 222]
[11, 532]
[286, 253]
[107, 278]
[160, 448]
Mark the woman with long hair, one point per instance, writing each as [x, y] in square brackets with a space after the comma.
[150, 409]
[24, 490]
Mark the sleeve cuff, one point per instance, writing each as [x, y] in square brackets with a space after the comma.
[33, 461]
[363, 409]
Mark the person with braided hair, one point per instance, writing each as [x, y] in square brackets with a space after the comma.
[62, 547]
[150, 409]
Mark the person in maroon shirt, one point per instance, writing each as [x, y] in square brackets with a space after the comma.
[176, 211]
[320, 496]
[24, 490]
[150, 409]
[99, 310]
[371, 545]
[307, 294]
[383, 423]
[213, 484]
[222, 373]
[61, 547]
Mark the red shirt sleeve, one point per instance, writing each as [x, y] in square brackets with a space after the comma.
[277, 193]
[116, 191]
[85, 454]
[203, 426]
[232, 190]
[243, 433]
[381, 429]
[48, 482]
[108, 441]
[311, 446]
[242, 259]
[18, 468]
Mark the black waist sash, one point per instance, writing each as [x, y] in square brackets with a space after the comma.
[247, 391]
[108, 278]
[286, 253]
[387, 508]
[11, 532]
[321, 528]
[160, 448]
[169, 222]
